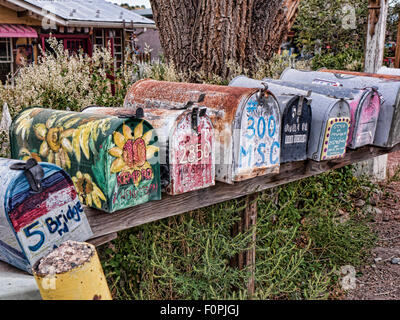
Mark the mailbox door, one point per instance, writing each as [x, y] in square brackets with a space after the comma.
[46, 219]
[113, 162]
[259, 138]
[296, 126]
[365, 118]
[191, 154]
[35, 222]
[335, 138]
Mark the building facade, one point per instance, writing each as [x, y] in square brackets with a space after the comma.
[25, 25]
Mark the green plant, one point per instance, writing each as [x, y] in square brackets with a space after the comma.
[301, 244]
[348, 59]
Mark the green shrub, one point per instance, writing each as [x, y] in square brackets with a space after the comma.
[347, 59]
[300, 246]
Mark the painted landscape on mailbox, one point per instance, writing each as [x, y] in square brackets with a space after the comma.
[113, 162]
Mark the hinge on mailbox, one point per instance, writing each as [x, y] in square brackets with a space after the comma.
[196, 114]
[261, 92]
[34, 173]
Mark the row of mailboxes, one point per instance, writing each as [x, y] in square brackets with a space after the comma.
[364, 108]
[328, 119]
[39, 209]
[113, 161]
[180, 137]
[387, 129]
[186, 139]
[247, 123]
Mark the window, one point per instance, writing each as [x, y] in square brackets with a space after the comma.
[6, 58]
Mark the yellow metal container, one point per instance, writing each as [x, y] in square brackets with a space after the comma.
[85, 282]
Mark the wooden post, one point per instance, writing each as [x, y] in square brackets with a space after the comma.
[376, 36]
[374, 54]
[397, 59]
[250, 221]
[247, 259]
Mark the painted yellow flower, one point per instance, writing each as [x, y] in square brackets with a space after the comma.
[24, 122]
[56, 145]
[132, 150]
[25, 155]
[88, 191]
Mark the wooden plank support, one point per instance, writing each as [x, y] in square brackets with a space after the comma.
[250, 222]
[104, 224]
[247, 259]
[103, 239]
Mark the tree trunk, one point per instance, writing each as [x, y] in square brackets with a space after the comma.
[204, 35]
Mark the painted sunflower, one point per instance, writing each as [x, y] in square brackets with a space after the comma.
[24, 122]
[56, 145]
[132, 149]
[88, 191]
[25, 155]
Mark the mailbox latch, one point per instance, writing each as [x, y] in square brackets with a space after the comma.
[34, 173]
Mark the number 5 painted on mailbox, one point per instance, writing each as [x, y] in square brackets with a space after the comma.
[29, 233]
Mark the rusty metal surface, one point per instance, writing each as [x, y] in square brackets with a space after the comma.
[233, 112]
[362, 74]
[186, 155]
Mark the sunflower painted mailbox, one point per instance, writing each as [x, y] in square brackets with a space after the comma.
[114, 162]
[247, 123]
[39, 209]
[186, 139]
[365, 105]
[296, 117]
[330, 122]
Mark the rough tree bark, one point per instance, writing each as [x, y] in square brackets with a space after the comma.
[203, 35]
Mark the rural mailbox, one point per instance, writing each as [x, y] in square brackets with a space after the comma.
[330, 122]
[387, 132]
[39, 209]
[389, 71]
[246, 121]
[113, 161]
[186, 139]
[365, 106]
[296, 117]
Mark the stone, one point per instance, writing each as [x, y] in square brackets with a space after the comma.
[67, 256]
[395, 261]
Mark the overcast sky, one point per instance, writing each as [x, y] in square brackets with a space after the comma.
[133, 2]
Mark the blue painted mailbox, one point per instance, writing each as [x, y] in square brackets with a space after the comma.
[296, 117]
[39, 209]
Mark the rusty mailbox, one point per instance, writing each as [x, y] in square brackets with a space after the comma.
[387, 132]
[296, 117]
[246, 121]
[39, 209]
[186, 139]
[365, 106]
[330, 122]
[114, 162]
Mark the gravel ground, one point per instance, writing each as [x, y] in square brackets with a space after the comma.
[380, 278]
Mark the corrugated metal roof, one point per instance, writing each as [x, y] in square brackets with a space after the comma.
[90, 10]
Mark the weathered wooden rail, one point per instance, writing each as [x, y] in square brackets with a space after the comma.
[105, 226]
